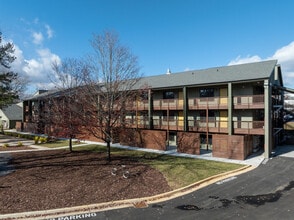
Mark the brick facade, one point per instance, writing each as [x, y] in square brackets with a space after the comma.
[151, 139]
[232, 146]
[188, 142]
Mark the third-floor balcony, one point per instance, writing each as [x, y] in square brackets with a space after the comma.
[137, 105]
[239, 102]
[168, 104]
[208, 103]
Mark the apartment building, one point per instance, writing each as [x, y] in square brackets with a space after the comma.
[229, 110]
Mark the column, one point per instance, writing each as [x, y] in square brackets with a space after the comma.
[230, 109]
[267, 120]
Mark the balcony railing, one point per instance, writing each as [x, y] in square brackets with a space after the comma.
[212, 125]
[165, 104]
[169, 123]
[208, 102]
[137, 122]
[248, 102]
[215, 126]
[249, 127]
[137, 105]
[239, 102]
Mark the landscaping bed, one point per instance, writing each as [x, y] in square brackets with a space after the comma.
[55, 179]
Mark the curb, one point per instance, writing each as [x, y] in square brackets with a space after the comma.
[136, 203]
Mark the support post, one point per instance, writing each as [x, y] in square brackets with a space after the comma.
[230, 109]
[267, 119]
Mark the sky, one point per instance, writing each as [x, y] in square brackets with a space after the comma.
[178, 35]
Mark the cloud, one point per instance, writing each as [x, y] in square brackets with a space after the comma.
[39, 68]
[49, 31]
[248, 59]
[285, 57]
[38, 38]
[36, 70]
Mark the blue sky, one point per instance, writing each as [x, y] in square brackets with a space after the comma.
[176, 34]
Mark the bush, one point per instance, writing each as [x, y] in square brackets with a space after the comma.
[36, 139]
[43, 140]
[19, 144]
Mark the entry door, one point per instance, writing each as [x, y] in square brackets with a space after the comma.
[223, 96]
[181, 99]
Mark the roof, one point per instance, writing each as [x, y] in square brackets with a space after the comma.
[13, 112]
[216, 75]
[224, 74]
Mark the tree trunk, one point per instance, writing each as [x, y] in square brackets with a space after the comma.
[108, 151]
[70, 144]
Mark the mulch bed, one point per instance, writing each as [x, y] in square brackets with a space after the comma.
[14, 148]
[57, 178]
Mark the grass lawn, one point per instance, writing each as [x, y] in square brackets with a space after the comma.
[58, 143]
[179, 171]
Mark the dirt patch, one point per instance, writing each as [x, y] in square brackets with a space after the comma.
[55, 179]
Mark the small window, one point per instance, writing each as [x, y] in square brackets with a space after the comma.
[207, 92]
[168, 95]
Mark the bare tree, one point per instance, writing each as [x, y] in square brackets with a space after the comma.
[64, 107]
[110, 86]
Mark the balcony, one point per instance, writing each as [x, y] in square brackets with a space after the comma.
[168, 104]
[213, 126]
[137, 105]
[137, 123]
[249, 102]
[208, 103]
[249, 127]
[169, 123]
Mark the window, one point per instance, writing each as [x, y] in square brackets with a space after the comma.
[168, 95]
[207, 92]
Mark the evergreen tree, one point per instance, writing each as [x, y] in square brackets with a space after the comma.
[7, 77]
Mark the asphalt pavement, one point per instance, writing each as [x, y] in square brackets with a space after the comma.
[263, 193]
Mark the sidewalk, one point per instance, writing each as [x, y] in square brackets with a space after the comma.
[253, 160]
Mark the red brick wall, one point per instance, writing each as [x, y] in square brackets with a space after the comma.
[151, 139]
[231, 146]
[188, 142]
[129, 137]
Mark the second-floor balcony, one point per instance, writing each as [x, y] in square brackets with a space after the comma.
[248, 102]
[249, 127]
[199, 125]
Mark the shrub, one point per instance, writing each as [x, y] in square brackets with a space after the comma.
[19, 144]
[36, 139]
[5, 145]
[43, 140]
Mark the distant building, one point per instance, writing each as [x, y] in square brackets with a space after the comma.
[10, 115]
[228, 110]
